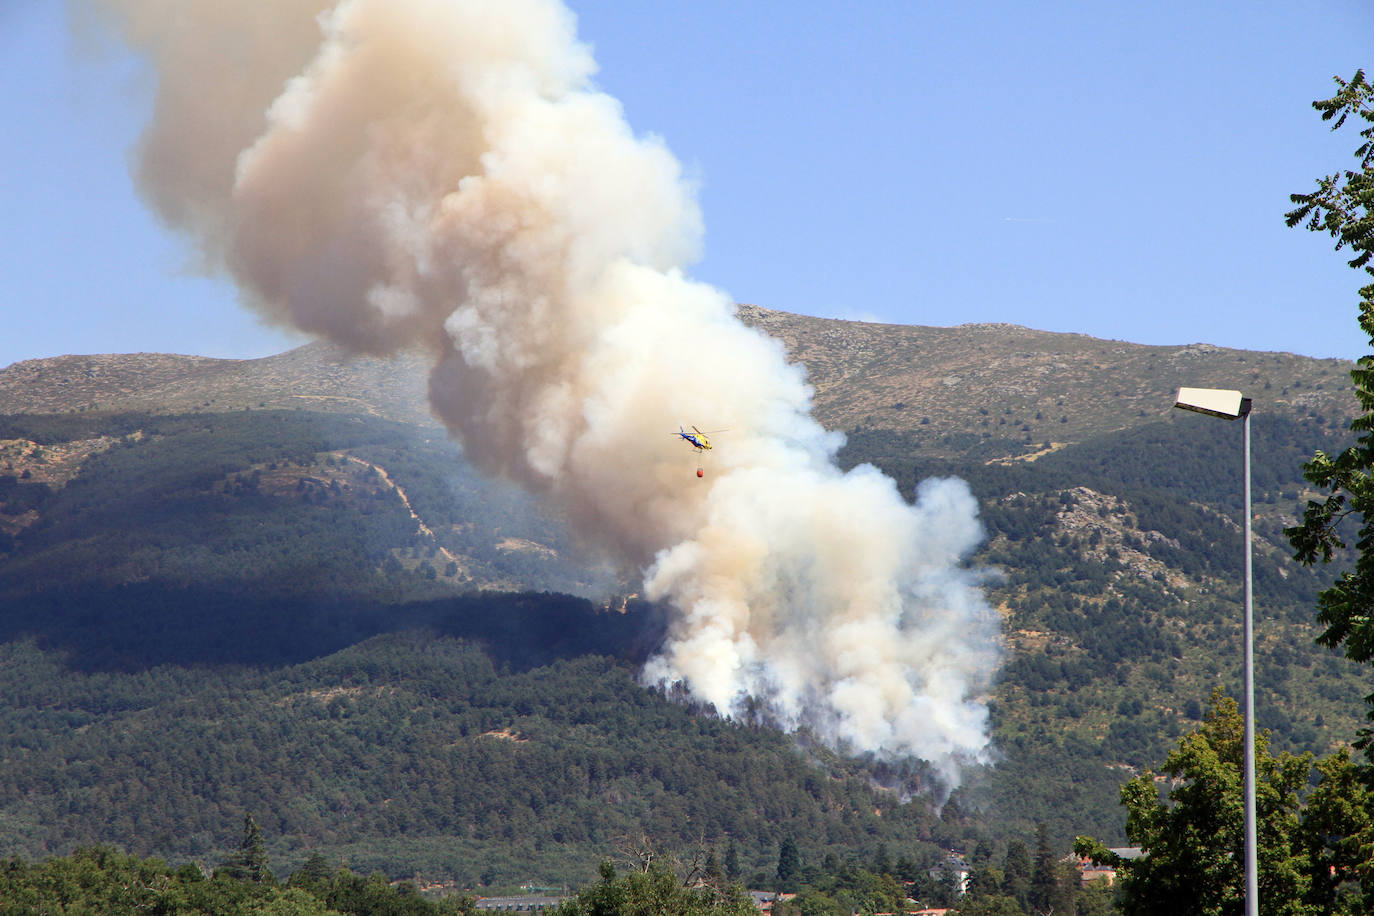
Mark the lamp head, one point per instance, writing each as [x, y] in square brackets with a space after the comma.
[1215, 402]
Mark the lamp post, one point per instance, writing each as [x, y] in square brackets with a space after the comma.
[1230, 405]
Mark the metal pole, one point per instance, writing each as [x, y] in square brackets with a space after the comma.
[1251, 863]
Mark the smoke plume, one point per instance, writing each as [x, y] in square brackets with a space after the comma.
[443, 174]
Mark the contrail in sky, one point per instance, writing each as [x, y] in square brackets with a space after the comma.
[443, 174]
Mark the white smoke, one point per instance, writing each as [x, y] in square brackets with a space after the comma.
[444, 174]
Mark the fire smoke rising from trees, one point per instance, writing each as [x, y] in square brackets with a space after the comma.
[442, 174]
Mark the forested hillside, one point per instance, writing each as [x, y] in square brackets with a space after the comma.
[322, 617]
[1120, 566]
[282, 502]
[326, 621]
[417, 753]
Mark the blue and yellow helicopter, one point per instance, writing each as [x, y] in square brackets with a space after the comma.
[697, 440]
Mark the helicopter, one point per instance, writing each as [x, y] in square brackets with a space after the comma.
[697, 440]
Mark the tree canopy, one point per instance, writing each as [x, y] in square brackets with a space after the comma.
[1343, 207]
[103, 880]
[1313, 855]
[656, 891]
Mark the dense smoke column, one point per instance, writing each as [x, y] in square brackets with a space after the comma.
[442, 174]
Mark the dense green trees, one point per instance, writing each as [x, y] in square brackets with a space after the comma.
[1339, 823]
[846, 890]
[1343, 207]
[102, 881]
[249, 863]
[789, 866]
[1194, 859]
[990, 905]
[1312, 853]
[417, 752]
[656, 890]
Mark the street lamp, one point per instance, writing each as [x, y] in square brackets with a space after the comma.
[1230, 405]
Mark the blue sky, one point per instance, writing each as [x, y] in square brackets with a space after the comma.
[1112, 168]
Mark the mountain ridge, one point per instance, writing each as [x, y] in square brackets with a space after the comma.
[1080, 386]
[1016, 386]
[310, 375]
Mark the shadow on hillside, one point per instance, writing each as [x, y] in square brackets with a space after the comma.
[142, 626]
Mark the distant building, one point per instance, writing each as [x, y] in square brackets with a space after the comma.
[1089, 872]
[764, 900]
[953, 866]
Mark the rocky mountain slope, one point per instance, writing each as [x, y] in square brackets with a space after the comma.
[316, 377]
[1015, 389]
[160, 510]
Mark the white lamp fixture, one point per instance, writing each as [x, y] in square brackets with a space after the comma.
[1215, 402]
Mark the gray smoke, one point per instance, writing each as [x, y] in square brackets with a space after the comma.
[443, 174]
